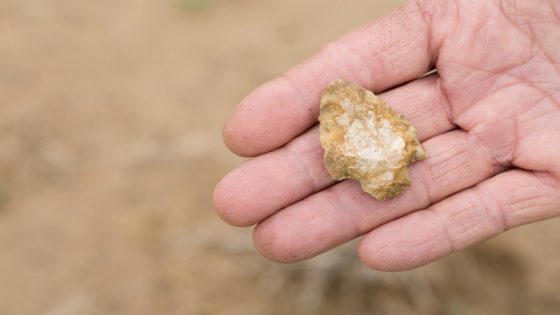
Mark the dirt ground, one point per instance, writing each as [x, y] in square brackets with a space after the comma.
[110, 144]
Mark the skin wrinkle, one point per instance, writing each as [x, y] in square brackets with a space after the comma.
[512, 211]
[456, 110]
[422, 197]
[515, 190]
[376, 61]
[516, 138]
[474, 137]
[477, 70]
[403, 20]
[419, 116]
[433, 247]
[365, 32]
[476, 34]
[468, 218]
[543, 51]
[557, 105]
[430, 244]
[555, 169]
[533, 36]
[345, 50]
[511, 9]
[362, 64]
[373, 86]
[504, 160]
[555, 10]
[512, 5]
[427, 17]
[229, 132]
[424, 115]
[368, 222]
[451, 30]
[316, 66]
[444, 102]
[515, 154]
[461, 238]
[446, 235]
[332, 49]
[312, 112]
[484, 153]
[386, 251]
[527, 212]
[483, 19]
[471, 75]
[335, 48]
[472, 131]
[432, 167]
[440, 168]
[405, 48]
[516, 11]
[533, 84]
[439, 175]
[490, 204]
[298, 167]
[369, 68]
[536, 106]
[342, 215]
[455, 167]
[265, 243]
[495, 88]
[380, 252]
[549, 180]
[514, 72]
[491, 96]
[528, 204]
[493, 73]
[316, 182]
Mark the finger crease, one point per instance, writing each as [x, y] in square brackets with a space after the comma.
[444, 101]
[492, 207]
[443, 226]
[298, 167]
[334, 205]
[309, 107]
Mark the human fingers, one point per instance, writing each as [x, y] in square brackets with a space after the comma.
[389, 52]
[505, 201]
[342, 212]
[268, 183]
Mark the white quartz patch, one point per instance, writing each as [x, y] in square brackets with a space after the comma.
[374, 143]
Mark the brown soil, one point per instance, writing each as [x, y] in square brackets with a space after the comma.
[110, 145]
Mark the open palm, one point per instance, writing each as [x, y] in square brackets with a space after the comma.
[489, 119]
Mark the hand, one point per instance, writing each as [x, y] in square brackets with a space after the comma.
[489, 119]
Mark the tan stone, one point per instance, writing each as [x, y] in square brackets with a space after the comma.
[364, 139]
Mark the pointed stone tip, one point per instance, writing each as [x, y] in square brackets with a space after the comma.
[421, 153]
[339, 81]
[335, 85]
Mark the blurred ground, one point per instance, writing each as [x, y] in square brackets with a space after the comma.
[110, 144]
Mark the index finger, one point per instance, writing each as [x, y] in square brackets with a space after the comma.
[394, 50]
